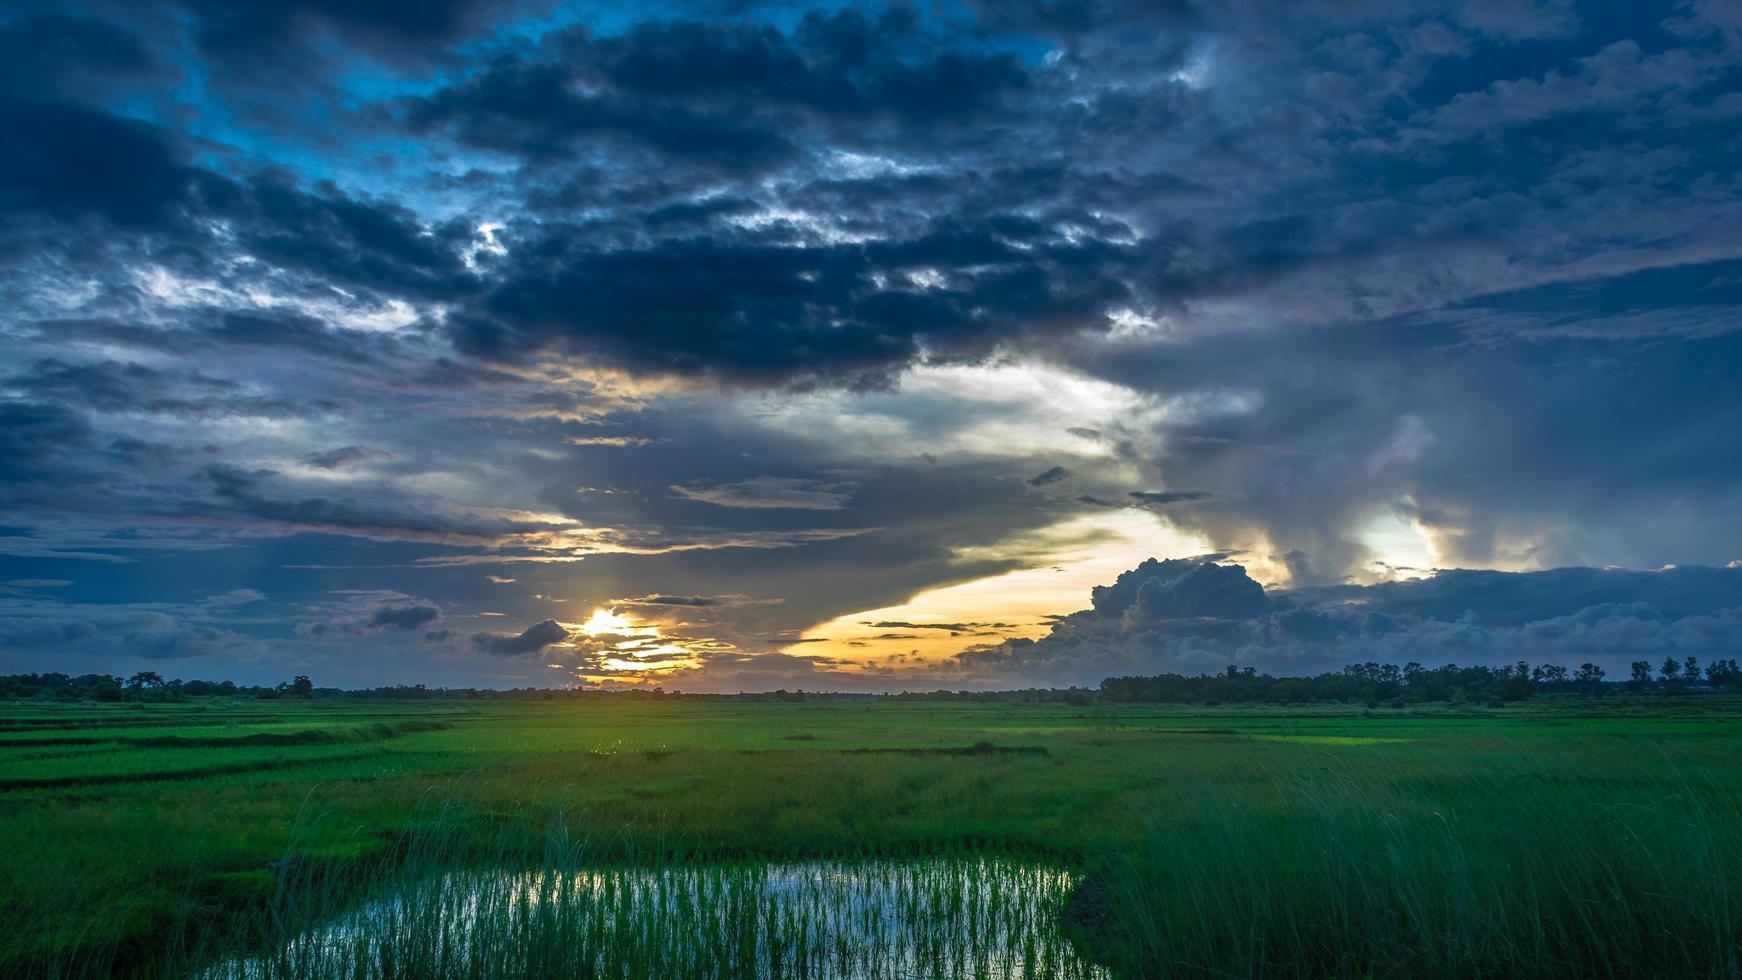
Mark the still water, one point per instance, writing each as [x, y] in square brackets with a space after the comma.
[943, 918]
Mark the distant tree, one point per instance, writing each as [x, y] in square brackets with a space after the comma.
[1691, 670]
[1549, 674]
[1589, 678]
[103, 687]
[145, 680]
[1670, 669]
[1641, 678]
[300, 687]
[1516, 683]
[1722, 673]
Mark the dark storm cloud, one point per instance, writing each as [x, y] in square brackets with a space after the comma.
[531, 640]
[1547, 443]
[721, 95]
[72, 176]
[247, 32]
[35, 438]
[1076, 17]
[755, 311]
[108, 386]
[66, 162]
[276, 41]
[326, 285]
[51, 52]
[1195, 616]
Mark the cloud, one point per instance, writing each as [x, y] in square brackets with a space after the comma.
[333, 459]
[367, 612]
[719, 95]
[1377, 285]
[1166, 498]
[771, 492]
[64, 55]
[1050, 475]
[403, 617]
[947, 627]
[113, 387]
[693, 601]
[822, 313]
[531, 640]
[53, 629]
[66, 162]
[388, 515]
[1195, 616]
[41, 443]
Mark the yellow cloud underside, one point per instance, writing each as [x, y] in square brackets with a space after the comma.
[1063, 561]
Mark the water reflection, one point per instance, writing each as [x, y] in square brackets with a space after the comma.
[942, 918]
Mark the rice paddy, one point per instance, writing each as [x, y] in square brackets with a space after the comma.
[850, 839]
[993, 918]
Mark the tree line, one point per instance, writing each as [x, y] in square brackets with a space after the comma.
[146, 685]
[1412, 683]
[1367, 683]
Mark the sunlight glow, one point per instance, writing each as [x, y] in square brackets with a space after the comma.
[1061, 564]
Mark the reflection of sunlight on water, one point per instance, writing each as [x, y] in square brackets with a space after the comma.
[945, 918]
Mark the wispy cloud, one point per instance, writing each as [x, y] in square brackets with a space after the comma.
[771, 493]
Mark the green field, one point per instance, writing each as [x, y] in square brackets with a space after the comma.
[1562, 839]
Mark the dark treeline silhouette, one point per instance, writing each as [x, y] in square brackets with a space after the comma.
[151, 686]
[1414, 684]
[147, 685]
[1368, 683]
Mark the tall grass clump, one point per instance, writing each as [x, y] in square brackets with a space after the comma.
[443, 906]
[1361, 871]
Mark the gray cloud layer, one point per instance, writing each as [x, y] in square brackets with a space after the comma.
[1189, 616]
[359, 297]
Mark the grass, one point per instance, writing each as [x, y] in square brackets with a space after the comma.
[1557, 840]
[567, 914]
[1366, 873]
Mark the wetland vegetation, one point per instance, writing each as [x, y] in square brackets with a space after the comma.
[670, 837]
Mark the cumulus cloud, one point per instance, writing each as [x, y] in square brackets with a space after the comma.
[364, 612]
[403, 617]
[136, 632]
[1313, 284]
[1192, 615]
[533, 639]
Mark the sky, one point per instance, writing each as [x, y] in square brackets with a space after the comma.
[723, 345]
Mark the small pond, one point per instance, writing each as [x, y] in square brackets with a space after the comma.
[941, 917]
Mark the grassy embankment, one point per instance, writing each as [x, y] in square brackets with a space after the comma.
[1553, 840]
